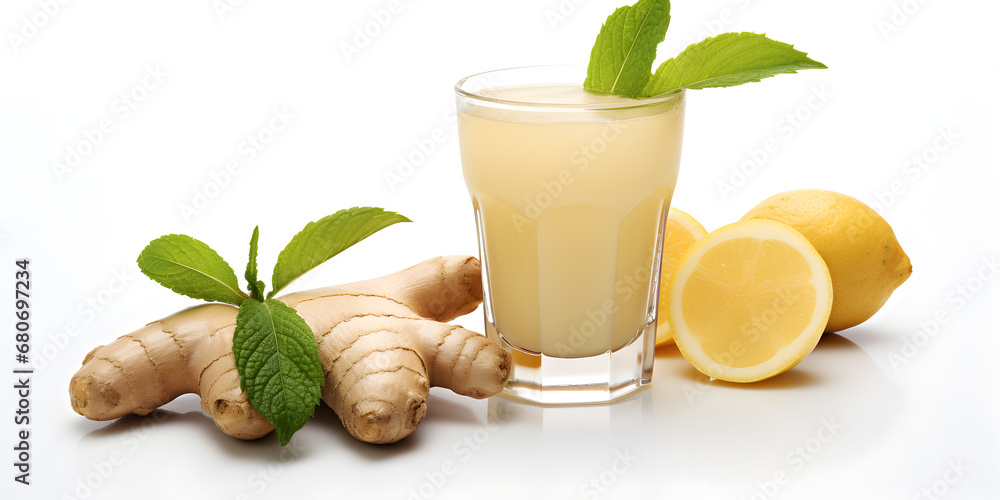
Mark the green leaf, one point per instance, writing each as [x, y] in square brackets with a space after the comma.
[727, 60]
[321, 240]
[189, 267]
[254, 285]
[278, 361]
[623, 54]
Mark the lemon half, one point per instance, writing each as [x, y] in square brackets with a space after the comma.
[749, 301]
[681, 232]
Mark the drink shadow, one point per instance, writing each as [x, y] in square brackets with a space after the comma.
[638, 408]
[687, 409]
[837, 385]
[800, 376]
[592, 419]
[134, 433]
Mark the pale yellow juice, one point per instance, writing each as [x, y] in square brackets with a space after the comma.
[569, 205]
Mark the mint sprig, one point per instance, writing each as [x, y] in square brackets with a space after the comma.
[319, 241]
[275, 351]
[727, 60]
[254, 285]
[625, 48]
[277, 358]
[190, 267]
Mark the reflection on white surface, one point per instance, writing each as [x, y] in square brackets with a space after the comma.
[839, 419]
[590, 419]
[684, 433]
[691, 432]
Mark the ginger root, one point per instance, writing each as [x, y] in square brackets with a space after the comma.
[382, 343]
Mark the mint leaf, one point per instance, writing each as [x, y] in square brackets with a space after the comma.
[727, 60]
[623, 54]
[190, 267]
[278, 361]
[321, 240]
[254, 285]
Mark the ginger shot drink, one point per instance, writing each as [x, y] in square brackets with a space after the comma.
[570, 191]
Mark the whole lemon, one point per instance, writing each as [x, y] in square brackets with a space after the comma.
[865, 260]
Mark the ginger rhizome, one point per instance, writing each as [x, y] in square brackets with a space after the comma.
[382, 343]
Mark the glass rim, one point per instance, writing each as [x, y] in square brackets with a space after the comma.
[630, 104]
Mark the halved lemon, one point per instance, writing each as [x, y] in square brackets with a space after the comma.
[681, 232]
[749, 301]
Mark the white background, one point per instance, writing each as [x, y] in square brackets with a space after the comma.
[896, 87]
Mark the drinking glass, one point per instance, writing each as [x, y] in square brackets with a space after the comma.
[570, 192]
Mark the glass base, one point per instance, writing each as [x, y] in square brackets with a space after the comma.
[595, 379]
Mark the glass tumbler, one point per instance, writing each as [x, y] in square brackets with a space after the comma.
[570, 192]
